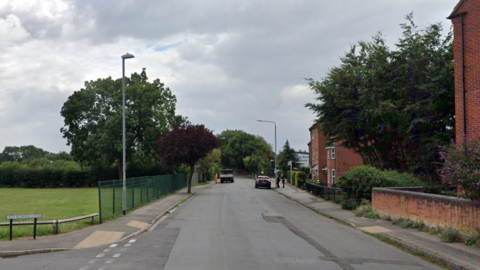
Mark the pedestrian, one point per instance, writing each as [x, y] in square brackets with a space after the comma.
[216, 177]
[283, 180]
[278, 180]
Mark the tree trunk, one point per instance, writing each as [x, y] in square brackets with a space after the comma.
[189, 180]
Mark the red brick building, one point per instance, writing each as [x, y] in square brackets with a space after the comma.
[329, 162]
[466, 45]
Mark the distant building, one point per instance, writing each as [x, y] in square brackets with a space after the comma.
[329, 162]
[303, 159]
[466, 50]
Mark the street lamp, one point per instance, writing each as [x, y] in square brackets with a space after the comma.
[125, 56]
[275, 124]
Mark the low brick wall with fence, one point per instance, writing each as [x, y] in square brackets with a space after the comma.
[433, 210]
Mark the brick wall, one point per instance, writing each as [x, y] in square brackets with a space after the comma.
[471, 30]
[433, 210]
[317, 151]
[345, 159]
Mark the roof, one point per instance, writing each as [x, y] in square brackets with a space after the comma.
[455, 10]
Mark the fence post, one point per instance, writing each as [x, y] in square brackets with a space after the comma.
[100, 201]
[113, 182]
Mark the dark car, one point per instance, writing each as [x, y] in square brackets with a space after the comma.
[263, 181]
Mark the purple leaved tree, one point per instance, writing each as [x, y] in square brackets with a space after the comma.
[187, 144]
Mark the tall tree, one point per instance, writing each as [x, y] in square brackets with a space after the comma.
[186, 144]
[287, 154]
[393, 107]
[237, 145]
[93, 120]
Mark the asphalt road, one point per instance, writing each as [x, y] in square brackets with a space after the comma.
[235, 226]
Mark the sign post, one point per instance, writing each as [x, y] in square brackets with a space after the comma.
[34, 216]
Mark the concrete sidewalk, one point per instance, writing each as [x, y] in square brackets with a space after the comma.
[454, 255]
[132, 224]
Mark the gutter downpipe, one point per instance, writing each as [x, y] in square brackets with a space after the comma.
[462, 40]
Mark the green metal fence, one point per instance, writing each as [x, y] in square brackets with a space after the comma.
[140, 191]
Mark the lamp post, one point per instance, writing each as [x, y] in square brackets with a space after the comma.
[275, 124]
[124, 197]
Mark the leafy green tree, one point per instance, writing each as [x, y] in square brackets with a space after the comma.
[393, 107]
[16, 153]
[212, 160]
[237, 145]
[287, 154]
[186, 144]
[93, 120]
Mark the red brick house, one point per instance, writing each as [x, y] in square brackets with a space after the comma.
[329, 162]
[466, 46]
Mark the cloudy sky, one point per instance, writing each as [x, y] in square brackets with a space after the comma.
[229, 62]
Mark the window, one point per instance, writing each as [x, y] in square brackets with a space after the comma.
[333, 153]
[333, 176]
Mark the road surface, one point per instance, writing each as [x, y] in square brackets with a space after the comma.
[235, 226]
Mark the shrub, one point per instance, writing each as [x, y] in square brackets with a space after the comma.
[450, 235]
[358, 182]
[462, 167]
[366, 210]
[299, 176]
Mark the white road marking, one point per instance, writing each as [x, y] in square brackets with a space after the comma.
[117, 255]
[132, 241]
[85, 267]
[93, 261]
[100, 255]
[128, 245]
[110, 261]
[122, 250]
[113, 245]
[106, 250]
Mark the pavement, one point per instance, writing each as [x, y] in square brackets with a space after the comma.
[453, 255]
[130, 225]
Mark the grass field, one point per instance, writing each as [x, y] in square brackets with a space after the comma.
[53, 204]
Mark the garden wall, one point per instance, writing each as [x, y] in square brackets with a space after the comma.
[433, 210]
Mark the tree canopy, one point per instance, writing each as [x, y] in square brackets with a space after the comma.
[19, 153]
[287, 154]
[93, 120]
[245, 151]
[393, 107]
[186, 144]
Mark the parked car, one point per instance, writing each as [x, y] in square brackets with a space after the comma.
[263, 181]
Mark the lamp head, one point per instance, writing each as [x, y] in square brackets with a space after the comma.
[127, 56]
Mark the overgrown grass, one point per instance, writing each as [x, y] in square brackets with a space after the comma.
[366, 210]
[53, 204]
[447, 235]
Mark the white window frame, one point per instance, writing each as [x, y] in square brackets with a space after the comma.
[328, 176]
[333, 153]
[333, 176]
[328, 153]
